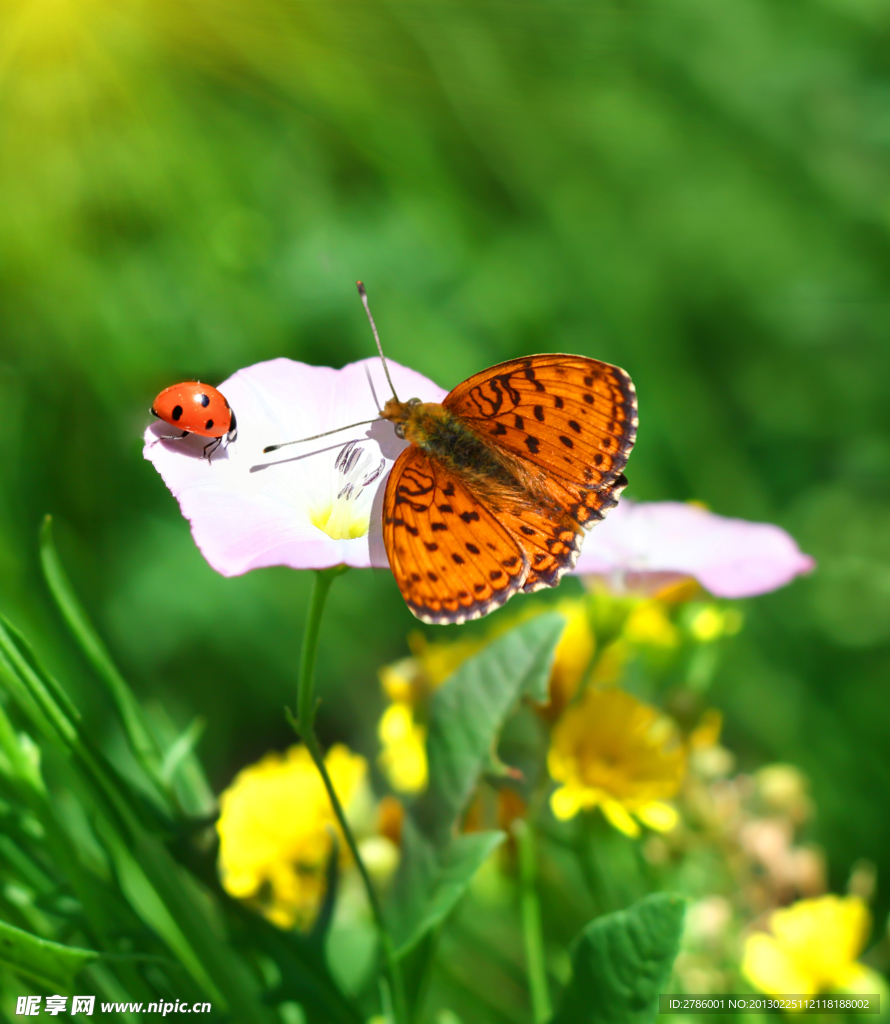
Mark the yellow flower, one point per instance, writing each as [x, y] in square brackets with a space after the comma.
[403, 757]
[813, 947]
[709, 623]
[614, 752]
[276, 831]
[401, 680]
[412, 680]
[649, 625]
[572, 657]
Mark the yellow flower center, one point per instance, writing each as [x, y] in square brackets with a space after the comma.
[347, 514]
[339, 520]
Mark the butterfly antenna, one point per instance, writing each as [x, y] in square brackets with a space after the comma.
[364, 295]
[300, 440]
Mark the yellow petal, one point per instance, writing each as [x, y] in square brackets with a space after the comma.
[708, 624]
[396, 724]
[276, 830]
[573, 652]
[856, 978]
[707, 732]
[240, 884]
[824, 935]
[618, 816]
[659, 816]
[403, 757]
[616, 745]
[281, 916]
[769, 967]
[649, 624]
[566, 801]
[397, 679]
[863, 981]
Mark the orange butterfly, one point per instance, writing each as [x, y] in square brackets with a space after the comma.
[491, 496]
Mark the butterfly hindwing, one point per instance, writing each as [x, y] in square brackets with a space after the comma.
[451, 557]
[550, 539]
[569, 419]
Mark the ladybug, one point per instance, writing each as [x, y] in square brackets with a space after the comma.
[198, 409]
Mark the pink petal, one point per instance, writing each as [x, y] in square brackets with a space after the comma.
[249, 510]
[729, 557]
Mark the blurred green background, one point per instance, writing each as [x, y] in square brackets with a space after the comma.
[695, 191]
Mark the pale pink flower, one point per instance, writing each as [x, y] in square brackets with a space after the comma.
[642, 543]
[307, 506]
[317, 504]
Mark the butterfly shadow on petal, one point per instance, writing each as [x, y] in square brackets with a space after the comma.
[272, 462]
[383, 432]
[391, 447]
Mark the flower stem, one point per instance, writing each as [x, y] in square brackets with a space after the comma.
[306, 703]
[305, 725]
[531, 922]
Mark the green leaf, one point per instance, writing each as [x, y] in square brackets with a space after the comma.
[621, 962]
[433, 880]
[469, 710]
[47, 963]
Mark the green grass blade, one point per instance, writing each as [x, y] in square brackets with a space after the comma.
[151, 907]
[153, 884]
[66, 727]
[143, 745]
[47, 963]
[181, 766]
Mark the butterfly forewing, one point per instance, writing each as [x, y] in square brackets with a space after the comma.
[569, 419]
[451, 557]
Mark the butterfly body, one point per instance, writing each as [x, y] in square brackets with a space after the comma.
[499, 480]
[457, 447]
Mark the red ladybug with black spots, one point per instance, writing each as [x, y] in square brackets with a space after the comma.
[196, 408]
